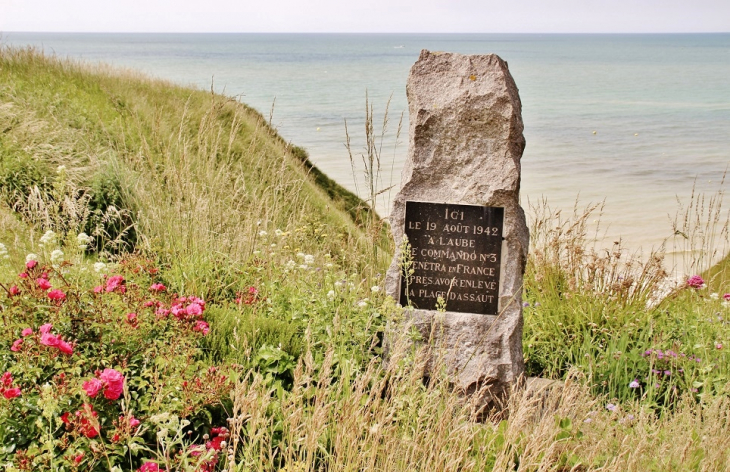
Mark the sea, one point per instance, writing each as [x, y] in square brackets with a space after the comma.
[635, 123]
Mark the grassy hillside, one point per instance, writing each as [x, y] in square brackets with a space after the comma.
[228, 311]
[156, 166]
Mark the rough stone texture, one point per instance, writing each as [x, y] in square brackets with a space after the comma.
[465, 147]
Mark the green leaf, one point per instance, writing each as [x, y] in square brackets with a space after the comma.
[565, 423]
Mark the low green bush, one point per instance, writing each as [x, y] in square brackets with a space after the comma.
[111, 216]
[20, 173]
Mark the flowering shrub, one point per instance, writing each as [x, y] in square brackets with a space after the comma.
[87, 367]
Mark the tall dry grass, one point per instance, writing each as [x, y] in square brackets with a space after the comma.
[390, 421]
[564, 252]
[701, 232]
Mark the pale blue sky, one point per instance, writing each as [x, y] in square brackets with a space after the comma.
[479, 16]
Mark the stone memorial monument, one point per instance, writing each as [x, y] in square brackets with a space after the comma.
[461, 268]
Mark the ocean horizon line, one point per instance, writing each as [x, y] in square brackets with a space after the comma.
[385, 33]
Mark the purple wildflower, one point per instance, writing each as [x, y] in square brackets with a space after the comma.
[696, 282]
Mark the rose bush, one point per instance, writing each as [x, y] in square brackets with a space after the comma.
[88, 363]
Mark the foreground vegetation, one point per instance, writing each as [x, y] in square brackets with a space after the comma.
[177, 292]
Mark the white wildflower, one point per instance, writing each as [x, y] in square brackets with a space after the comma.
[300, 254]
[329, 265]
[290, 264]
[331, 294]
[256, 252]
[362, 303]
[715, 296]
[263, 233]
[60, 169]
[309, 259]
[303, 266]
[56, 256]
[279, 232]
[99, 267]
[49, 238]
[83, 240]
[375, 289]
[160, 417]
[31, 257]
[4, 252]
[338, 284]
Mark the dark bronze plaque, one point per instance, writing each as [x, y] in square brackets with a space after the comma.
[455, 254]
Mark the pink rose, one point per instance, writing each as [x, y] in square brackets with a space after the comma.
[157, 288]
[27, 332]
[98, 289]
[16, 345]
[93, 387]
[115, 283]
[202, 326]
[6, 379]
[31, 264]
[88, 423]
[726, 297]
[194, 309]
[23, 275]
[215, 443]
[14, 291]
[57, 295]
[43, 284]
[149, 467]
[48, 339]
[133, 422]
[197, 300]
[162, 312]
[46, 328]
[65, 347]
[178, 311]
[11, 393]
[114, 383]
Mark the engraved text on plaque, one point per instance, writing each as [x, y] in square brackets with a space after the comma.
[455, 254]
